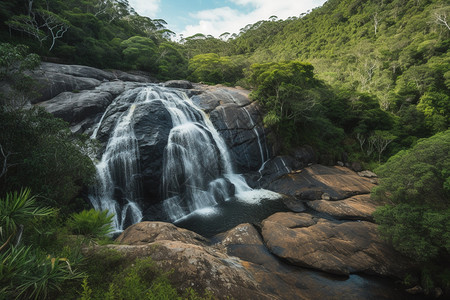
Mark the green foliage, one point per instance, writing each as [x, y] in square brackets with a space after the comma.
[91, 223]
[26, 273]
[417, 223]
[14, 61]
[212, 68]
[418, 176]
[18, 209]
[140, 53]
[143, 280]
[417, 231]
[44, 155]
[113, 276]
[293, 100]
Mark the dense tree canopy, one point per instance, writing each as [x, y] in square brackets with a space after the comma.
[416, 183]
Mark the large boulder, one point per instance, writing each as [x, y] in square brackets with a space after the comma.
[359, 207]
[54, 79]
[197, 265]
[80, 110]
[180, 84]
[272, 170]
[149, 232]
[280, 280]
[330, 246]
[209, 97]
[321, 182]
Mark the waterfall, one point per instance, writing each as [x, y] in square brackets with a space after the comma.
[264, 158]
[118, 187]
[197, 170]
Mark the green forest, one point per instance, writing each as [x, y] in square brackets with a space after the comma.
[359, 81]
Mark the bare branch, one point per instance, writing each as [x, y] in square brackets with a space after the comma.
[441, 19]
[4, 168]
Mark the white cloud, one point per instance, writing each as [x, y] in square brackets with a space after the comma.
[225, 19]
[147, 8]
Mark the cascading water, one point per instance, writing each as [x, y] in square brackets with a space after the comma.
[118, 187]
[197, 169]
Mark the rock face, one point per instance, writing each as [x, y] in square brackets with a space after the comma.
[313, 182]
[329, 246]
[197, 265]
[238, 121]
[83, 96]
[55, 79]
[238, 265]
[148, 232]
[81, 110]
[359, 207]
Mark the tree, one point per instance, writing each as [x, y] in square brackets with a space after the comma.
[140, 53]
[440, 17]
[416, 184]
[418, 178]
[41, 24]
[16, 85]
[213, 68]
[47, 157]
[293, 101]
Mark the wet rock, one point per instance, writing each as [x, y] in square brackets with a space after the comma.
[293, 204]
[314, 181]
[359, 207]
[243, 133]
[415, 290]
[355, 166]
[330, 246]
[152, 125]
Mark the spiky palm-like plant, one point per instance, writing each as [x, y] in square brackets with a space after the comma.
[18, 209]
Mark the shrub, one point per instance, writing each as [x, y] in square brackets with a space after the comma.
[18, 209]
[91, 223]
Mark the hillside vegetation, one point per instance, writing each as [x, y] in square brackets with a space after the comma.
[364, 81]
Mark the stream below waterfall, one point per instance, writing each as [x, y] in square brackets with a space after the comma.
[198, 183]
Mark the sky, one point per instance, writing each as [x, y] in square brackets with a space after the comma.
[214, 17]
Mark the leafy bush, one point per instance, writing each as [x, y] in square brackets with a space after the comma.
[45, 156]
[92, 223]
